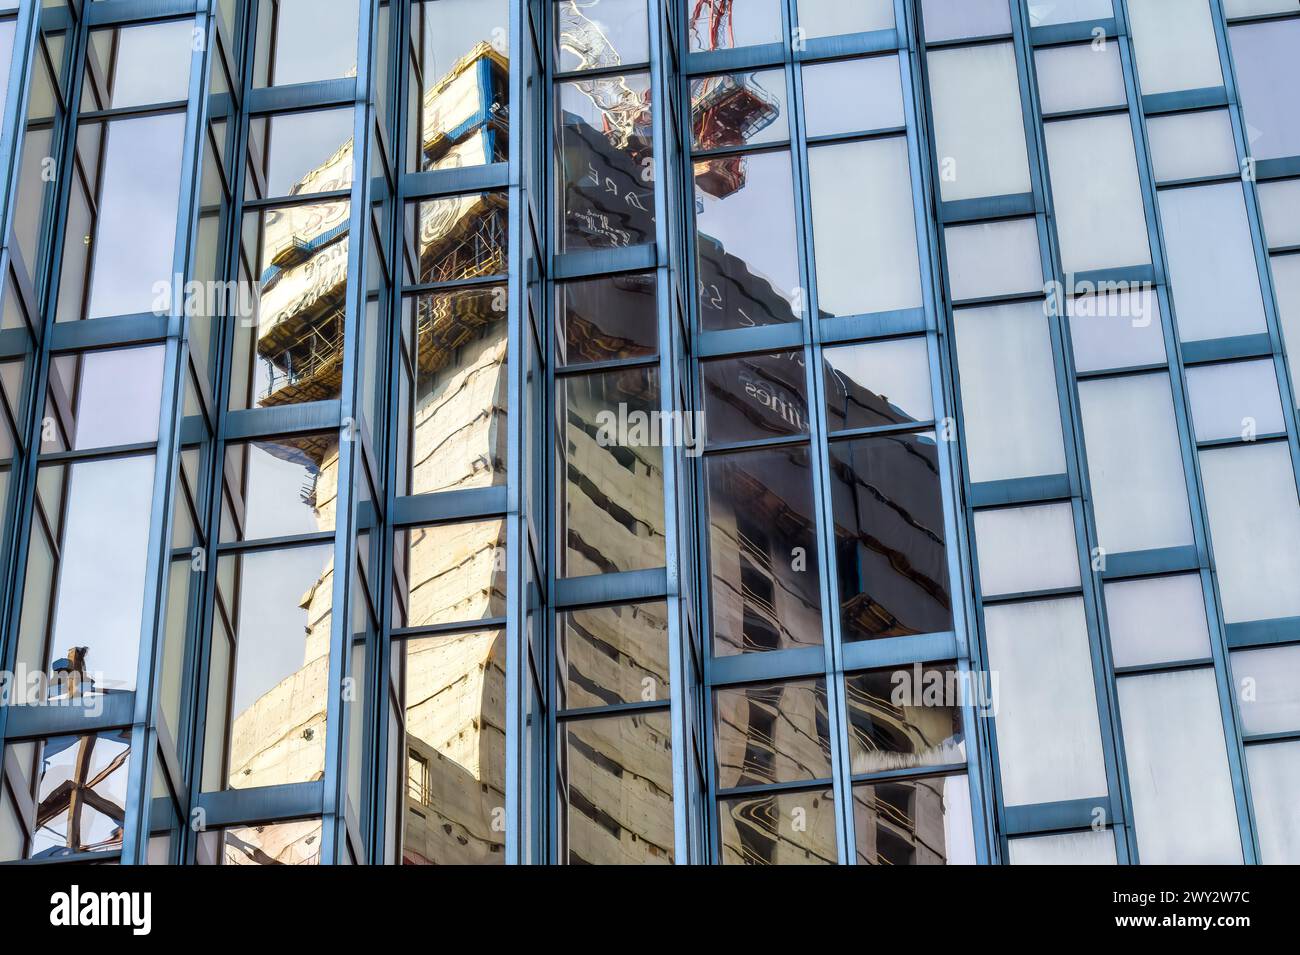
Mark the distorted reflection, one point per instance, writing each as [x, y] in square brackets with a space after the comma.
[772, 733]
[878, 383]
[889, 536]
[757, 396]
[763, 551]
[904, 718]
[607, 318]
[455, 702]
[454, 572]
[616, 790]
[726, 24]
[610, 504]
[914, 822]
[796, 828]
[281, 843]
[611, 655]
[79, 787]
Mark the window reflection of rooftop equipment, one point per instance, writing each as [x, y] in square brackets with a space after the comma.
[726, 110]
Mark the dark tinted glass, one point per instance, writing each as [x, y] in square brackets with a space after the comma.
[757, 396]
[889, 536]
[608, 318]
[763, 551]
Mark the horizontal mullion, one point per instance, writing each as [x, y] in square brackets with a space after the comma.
[449, 629]
[919, 649]
[756, 444]
[613, 364]
[629, 586]
[261, 804]
[434, 183]
[93, 714]
[765, 667]
[122, 12]
[283, 542]
[282, 420]
[761, 789]
[881, 431]
[612, 709]
[300, 96]
[911, 772]
[442, 507]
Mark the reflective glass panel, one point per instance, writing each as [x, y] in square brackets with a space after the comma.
[923, 821]
[833, 17]
[778, 828]
[771, 733]
[993, 258]
[285, 486]
[1175, 45]
[877, 383]
[1024, 549]
[1115, 329]
[1065, 848]
[80, 794]
[590, 34]
[904, 718]
[114, 397]
[724, 26]
[763, 551]
[302, 153]
[607, 318]
[1275, 792]
[877, 101]
[756, 396]
[1079, 76]
[890, 558]
[301, 41]
[454, 572]
[952, 19]
[609, 655]
[143, 64]
[737, 109]
[1190, 145]
[281, 843]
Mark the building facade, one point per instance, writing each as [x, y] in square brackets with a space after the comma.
[641, 431]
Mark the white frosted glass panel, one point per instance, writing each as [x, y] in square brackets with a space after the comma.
[1023, 549]
[1268, 75]
[1190, 145]
[1046, 12]
[979, 130]
[1175, 45]
[1134, 463]
[1234, 400]
[1183, 806]
[877, 102]
[1211, 262]
[1081, 76]
[835, 17]
[1268, 689]
[864, 233]
[1275, 791]
[1279, 205]
[1049, 742]
[993, 258]
[1008, 392]
[1157, 620]
[950, 19]
[1099, 214]
[1286, 286]
[1067, 848]
[1251, 8]
[1115, 329]
[7, 29]
[1250, 494]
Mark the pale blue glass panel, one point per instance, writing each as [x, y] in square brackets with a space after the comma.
[1234, 400]
[1275, 790]
[1175, 45]
[1268, 689]
[1065, 848]
[1157, 620]
[1268, 75]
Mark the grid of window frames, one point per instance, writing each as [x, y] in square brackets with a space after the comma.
[981, 543]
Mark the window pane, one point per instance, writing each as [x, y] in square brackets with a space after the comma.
[596, 33]
[1286, 285]
[301, 41]
[891, 561]
[951, 19]
[757, 396]
[834, 17]
[101, 570]
[1049, 740]
[304, 152]
[135, 230]
[740, 23]
[607, 318]
[904, 719]
[1183, 807]
[1275, 791]
[863, 227]
[282, 606]
[461, 237]
[763, 551]
[1157, 620]
[1190, 145]
[454, 572]
[1250, 494]
[144, 64]
[606, 200]
[616, 790]
[1234, 400]
[610, 655]
[1211, 262]
[1175, 45]
[914, 822]
[611, 504]
[1024, 549]
[286, 487]
[80, 794]
[747, 276]
[778, 829]
[1067, 848]
[1279, 205]
[1116, 329]
[115, 394]
[1008, 392]
[1099, 214]
[877, 383]
[1135, 463]
[1247, 8]
[456, 749]
[877, 102]
[771, 733]
[459, 106]
[1046, 12]
[281, 843]
[1263, 55]
[993, 258]
[736, 109]
[1268, 689]
[979, 129]
[1080, 76]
